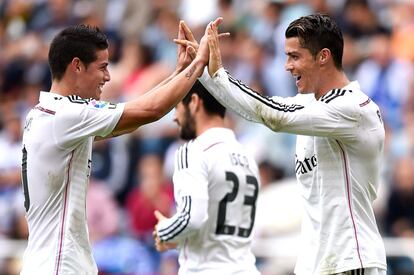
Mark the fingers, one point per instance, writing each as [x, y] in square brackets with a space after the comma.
[224, 34]
[214, 63]
[181, 34]
[185, 43]
[218, 21]
[187, 32]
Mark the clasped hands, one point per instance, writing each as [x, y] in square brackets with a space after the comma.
[208, 50]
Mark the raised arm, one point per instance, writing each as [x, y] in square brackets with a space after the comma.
[301, 114]
[160, 100]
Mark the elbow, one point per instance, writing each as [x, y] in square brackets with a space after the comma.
[156, 113]
[149, 116]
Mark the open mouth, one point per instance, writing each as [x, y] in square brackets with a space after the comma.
[298, 78]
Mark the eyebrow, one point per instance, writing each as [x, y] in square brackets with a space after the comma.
[292, 53]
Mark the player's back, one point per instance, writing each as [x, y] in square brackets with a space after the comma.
[223, 243]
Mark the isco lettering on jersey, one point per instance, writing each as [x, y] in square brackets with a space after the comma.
[240, 160]
[306, 165]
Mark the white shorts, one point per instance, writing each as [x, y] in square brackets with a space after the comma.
[364, 271]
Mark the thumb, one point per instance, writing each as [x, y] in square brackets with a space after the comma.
[158, 215]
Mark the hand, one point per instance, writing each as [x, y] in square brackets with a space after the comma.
[189, 40]
[159, 245]
[185, 54]
[214, 63]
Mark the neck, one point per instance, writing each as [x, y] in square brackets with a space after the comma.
[332, 79]
[62, 87]
[208, 123]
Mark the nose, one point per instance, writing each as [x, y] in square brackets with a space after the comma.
[107, 76]
[288, 65]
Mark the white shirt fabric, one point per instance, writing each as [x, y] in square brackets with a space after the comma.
[216, 183]
[338, 153]
[57, 147]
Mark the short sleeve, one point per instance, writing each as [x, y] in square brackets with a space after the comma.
[77, 121]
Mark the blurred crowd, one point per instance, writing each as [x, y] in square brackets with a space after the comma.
[131, 175]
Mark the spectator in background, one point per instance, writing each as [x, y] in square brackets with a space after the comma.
[110, 158]
[385, 79]
[401, 16]
[399, 219]
[152, 192]
[12, 222]
[358, 20]
[114, 251]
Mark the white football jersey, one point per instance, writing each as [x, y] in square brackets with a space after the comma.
[338, 155]
[216, 184]
[57, 147]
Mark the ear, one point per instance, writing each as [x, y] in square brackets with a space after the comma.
[324, 56]
[195, 102]
[76, 65]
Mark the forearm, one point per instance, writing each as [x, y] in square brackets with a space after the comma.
[231, 96]
[159, 101]
[190, 218]
[168, 79]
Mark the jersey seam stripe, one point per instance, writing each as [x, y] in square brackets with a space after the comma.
[180, 224]
[40, 108]
[348, 187]
[212, 145]
[177, 221]
[58, 263]
[267, 101]
[366, 102]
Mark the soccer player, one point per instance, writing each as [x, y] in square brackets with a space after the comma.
[216, 183]
[339, 146]
[58, 138]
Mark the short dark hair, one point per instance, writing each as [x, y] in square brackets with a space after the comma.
[80, 41]
[318, 31]
[210, 104]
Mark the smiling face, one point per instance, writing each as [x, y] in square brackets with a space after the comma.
[302, 65]
[91, 78]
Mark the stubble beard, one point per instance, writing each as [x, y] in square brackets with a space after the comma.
[188, 126]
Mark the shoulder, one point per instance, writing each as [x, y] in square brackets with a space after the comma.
[186, 154]
[75, 100]
[337, 96]
[75, 106]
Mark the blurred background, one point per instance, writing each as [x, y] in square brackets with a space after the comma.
[131, 174]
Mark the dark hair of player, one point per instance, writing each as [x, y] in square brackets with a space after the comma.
[210, 104]
[80, 41]
[316, 32]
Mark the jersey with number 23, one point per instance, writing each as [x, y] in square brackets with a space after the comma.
[216, 183]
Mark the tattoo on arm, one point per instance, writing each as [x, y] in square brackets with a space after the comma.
[190, 72]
